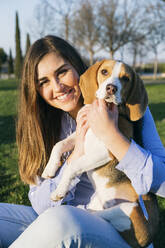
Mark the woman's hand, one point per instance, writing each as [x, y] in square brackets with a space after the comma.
[103, 121]
[81, 129]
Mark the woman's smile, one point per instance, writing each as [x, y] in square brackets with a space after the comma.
[58, 82]
[65, 96]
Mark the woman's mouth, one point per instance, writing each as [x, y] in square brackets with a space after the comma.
[66, 95]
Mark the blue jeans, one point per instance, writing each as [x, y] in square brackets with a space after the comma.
[58, 227]
[14, 219]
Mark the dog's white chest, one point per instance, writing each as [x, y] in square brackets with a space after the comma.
[95, 147]
[96, 150]
[104, 197]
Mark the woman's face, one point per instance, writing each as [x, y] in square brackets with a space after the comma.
[58, 82]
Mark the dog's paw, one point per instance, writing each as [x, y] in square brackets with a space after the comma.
[50, 170]
[57, 195]
[60, 191]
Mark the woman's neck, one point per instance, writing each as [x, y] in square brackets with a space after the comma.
[73, 113]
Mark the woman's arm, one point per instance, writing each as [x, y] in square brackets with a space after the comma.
[144, 167]
[40, 194]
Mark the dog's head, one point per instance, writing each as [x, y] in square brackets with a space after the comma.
[115, 82]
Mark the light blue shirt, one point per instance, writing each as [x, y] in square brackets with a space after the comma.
[145, 167]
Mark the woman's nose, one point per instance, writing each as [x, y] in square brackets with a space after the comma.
[57, 86]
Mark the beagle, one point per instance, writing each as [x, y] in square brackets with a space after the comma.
[115, 198]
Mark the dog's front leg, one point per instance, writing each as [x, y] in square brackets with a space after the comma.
[77, 167]
[55, 157]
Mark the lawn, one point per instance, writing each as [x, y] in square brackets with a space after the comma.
[156, 93]
[12, 190]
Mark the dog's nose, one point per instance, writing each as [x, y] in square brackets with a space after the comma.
[111, 89]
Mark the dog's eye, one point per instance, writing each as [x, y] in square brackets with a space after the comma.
[104, 72]
[125, 79]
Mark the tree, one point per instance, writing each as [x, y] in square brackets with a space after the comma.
[10, 64]
[85, 29]
[137, 48]
[28, 43]
[18, 58]
[64, 10]
[122, 22]
[156, 36]
[44, 21]
[3, 58]
[154, 41]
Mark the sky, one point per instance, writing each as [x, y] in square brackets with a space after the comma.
[8, 9]
[25, 10]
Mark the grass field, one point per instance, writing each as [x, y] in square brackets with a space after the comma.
[12, 190]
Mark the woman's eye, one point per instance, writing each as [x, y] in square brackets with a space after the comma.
[62, 72]
[104, 72]
[41, 84]
[125, 79]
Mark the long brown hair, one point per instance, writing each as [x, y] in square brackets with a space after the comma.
[38, 124]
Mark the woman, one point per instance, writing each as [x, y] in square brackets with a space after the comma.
[49, 94]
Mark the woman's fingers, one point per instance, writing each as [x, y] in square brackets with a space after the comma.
[84, 109]
[82, 126]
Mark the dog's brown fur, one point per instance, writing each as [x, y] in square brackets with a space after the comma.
[134, 103]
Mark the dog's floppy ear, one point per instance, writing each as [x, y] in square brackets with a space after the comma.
[137, 100]
[88, 83]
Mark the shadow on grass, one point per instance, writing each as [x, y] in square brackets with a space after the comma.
[10, 84]
[158, 110]
[14, 87]
[12, 190]
[7, 129]
[6, 181]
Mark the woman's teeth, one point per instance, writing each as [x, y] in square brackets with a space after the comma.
[63, 96]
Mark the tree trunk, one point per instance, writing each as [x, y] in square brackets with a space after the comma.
[111, 54]
[122, 53]
[134, 59]
[91, 54]
[155, 66]
[66, 28]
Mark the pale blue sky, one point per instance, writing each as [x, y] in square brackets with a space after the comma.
[25, 10]
[8, 9]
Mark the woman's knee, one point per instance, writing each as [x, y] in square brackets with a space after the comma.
[67, 226]
[56, 227]
[64, 219]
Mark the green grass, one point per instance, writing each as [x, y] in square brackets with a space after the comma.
[156, 93]
[12, 190]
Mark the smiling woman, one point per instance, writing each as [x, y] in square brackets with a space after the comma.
[49, 87]
[58, 83]
[50, 98]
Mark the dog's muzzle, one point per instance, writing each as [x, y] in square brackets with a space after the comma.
[111, 89]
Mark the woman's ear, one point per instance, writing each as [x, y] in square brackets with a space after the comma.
[88, 83]
[137, 100]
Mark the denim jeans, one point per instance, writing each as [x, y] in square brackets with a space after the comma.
[58, 227]
[14, 219]
[69, 227]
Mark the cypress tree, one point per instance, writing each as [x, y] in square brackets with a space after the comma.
[28, 43]
[18, 58]
[3, 57]
[10, 64]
